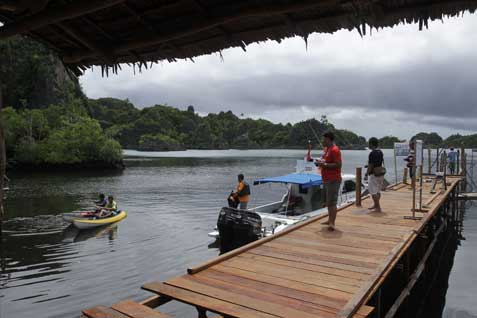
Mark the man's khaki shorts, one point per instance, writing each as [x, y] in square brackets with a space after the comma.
[331, 191]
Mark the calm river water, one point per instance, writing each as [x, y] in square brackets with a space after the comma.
[172, 200]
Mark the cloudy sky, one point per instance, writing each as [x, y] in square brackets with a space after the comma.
[395, 82]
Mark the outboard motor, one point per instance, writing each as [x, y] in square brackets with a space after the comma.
[237, 228]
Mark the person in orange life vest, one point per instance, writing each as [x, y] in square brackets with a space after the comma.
[330, 165]
[242, 193]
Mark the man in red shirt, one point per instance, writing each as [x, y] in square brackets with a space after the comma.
[330, 165]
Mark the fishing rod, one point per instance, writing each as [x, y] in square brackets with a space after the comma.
[318, 139]
[314, 133]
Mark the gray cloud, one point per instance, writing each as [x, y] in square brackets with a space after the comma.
[427, 79]
[445, 89]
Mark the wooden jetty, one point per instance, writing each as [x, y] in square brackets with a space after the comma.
[307, 271]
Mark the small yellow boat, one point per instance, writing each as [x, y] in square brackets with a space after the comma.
[89, 223]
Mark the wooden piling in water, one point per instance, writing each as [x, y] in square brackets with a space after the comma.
[458, 163]
[429, 161]
[464, 169]
[358, 186]
[3, 159]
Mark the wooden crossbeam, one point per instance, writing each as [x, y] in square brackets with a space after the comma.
[3, 161]
[86, 41]
[144, 21]
[32, 6]
[55, 15]
[220, 28]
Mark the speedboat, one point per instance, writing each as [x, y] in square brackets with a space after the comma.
[303, 198]
[92, 222]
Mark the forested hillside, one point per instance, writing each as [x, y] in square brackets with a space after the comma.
[433, 140]
[166, 128]
[45, 114]
[49, 121]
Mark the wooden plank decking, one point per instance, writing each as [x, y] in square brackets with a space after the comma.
[308, 271]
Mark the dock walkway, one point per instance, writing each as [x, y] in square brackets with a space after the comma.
[306, 270]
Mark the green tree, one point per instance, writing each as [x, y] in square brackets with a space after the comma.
[57, 135]
[33, 76]
[429, 139]
[387, 142]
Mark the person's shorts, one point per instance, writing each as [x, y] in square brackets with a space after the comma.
[375, 184]
[331, 191]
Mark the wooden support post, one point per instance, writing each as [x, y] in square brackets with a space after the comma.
[414, 277]
[3, 159]
[404, 176]
[457, 163]
[378, 304]
[358, 186]
[454, 199]
[413, 185]
[202, 312]
[420, 187]
[429, 161]
[437, 159]
[464, 171]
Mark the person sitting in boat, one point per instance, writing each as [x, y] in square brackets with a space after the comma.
[242, 194]
[110, 209]
[102, 202]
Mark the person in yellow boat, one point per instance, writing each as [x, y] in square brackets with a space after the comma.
[110, 208]
[243, 192]
[101, 203]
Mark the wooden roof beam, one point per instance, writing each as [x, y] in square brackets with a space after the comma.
[209, 24]
[222, 30]
[99, 29]
[85, 41]
[55, 15]
[30, 6]
[138, 17]
[290, 22]
[146, 24]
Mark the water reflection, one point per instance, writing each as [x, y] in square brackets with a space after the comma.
[72, 234]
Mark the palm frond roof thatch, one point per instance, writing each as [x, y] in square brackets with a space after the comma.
[109, 32]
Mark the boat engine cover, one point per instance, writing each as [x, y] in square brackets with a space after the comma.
[237, 228]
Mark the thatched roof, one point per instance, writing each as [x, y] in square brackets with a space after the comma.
[109, 32]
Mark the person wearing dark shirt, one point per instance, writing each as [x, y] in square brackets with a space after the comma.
[101, 203]
[452, 160]
[410, 159]
[330, 166]
[375, 173]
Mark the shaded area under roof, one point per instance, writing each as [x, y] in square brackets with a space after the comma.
[305, 180]
[109, 32]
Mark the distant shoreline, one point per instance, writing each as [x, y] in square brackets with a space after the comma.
[357, 147]
[90, 165]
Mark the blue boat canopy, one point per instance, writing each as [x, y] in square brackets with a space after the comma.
[305, 180]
